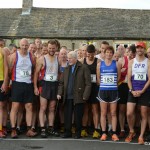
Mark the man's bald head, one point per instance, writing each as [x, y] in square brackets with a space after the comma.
[24, 44]
[24, 40]
[63, 50]
[63, 53]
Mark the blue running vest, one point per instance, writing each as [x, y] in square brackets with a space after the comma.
[108, 76]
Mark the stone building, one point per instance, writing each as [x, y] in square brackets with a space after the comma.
[75, 26]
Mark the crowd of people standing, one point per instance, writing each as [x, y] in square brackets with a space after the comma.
[42, 83]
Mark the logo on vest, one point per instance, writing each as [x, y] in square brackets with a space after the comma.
[139, 65]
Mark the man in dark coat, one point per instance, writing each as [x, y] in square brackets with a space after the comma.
[75, 88]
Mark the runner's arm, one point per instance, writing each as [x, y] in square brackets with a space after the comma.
[148, 82]
[98, 73]
[11, 61]
[38, 66]
[129, 75]
[5, 68]
[119, 70]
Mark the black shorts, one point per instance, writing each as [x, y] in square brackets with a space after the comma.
[143, 100]
[108, 96]
[22, 92]
[36, 98]
[123, 93]
[3, 96]
[94, 91]
[9, 92]
[49, 90]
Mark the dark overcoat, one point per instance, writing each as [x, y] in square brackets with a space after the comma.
[81, 83]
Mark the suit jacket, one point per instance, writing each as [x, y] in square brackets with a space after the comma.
[81, 86]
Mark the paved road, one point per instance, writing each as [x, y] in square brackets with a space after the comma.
[50, 143]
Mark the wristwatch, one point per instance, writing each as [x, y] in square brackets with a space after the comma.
[130, 90]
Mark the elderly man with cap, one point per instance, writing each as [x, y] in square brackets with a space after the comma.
[139, 91]
[75, 87]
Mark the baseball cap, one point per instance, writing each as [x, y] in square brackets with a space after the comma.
[141, 44]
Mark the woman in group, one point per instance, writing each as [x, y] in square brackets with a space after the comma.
[108, 74]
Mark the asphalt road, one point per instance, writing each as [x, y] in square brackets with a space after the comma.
[51, 143]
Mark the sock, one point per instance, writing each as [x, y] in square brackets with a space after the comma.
[84, 128]
[1, 127]
[96, 129]
[33, 127]
[18, 127]
[62, 125]
[122, 130]
[99, 127]
[13, 128]
[103, 132]
[109, 127]
[42, 128]
[4, 127]
[50, 127]
[28, 127]
[113, 132]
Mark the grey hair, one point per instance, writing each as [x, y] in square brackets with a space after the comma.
[24, 39]
[73, 54]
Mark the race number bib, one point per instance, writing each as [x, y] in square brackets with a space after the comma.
[25, 73]
[51, 77]
[108, 79]
[140, 76]
[93, 78]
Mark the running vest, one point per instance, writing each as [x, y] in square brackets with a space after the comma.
[50, 71]
[61, 69]
[22, 69]
[1, 66]
[98, 57]
[123, 77]
[108, 76]
[139, 74]
[92, 68]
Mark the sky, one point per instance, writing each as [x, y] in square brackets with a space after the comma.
[124, 4]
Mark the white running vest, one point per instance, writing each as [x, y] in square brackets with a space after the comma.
[140, 69]
[139, 74]
[51, 69]
[23, 68]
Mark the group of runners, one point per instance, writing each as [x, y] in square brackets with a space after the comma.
[120, 89]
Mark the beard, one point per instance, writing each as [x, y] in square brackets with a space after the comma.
[51, 53]
[140, 53]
